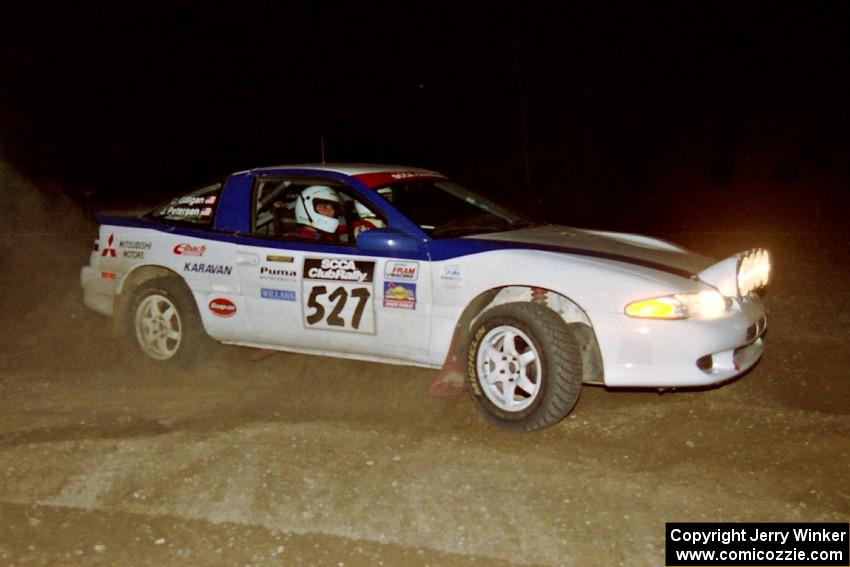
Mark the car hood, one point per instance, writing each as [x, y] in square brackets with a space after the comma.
[617, 246]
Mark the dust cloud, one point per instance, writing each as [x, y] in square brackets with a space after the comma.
[109, 459]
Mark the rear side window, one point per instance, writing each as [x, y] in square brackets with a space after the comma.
[196, 208]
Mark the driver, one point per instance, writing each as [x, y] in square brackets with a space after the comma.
[317, 210]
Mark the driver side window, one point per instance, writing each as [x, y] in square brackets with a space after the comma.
[310, 210]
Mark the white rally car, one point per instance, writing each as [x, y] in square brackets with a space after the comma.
[404, 266]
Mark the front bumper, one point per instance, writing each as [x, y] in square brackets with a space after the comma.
[645, 353]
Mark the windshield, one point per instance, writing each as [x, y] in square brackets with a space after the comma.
[444, 209]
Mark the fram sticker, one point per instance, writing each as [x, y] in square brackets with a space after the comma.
[400, 295]
[282, 294]
[222, 307]
[396, 270]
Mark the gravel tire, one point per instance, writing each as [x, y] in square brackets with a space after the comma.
[524, 366]
[164, 323]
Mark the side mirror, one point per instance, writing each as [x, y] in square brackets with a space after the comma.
[387, 240]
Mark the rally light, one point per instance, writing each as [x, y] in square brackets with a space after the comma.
[753, 271]
[701, 305]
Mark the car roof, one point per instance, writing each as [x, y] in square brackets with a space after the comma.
[353, 169]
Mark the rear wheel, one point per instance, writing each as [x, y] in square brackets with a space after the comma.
[524, 366]
[164, 321]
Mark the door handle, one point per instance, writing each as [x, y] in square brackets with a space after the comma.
[243, 259]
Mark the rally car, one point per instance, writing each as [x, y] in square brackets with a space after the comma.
[402, 265]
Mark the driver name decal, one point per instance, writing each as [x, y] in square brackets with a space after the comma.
[337, 295]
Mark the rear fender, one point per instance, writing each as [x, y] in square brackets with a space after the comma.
[127, 289]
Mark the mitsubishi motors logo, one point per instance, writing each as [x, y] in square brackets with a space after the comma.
[109, 250]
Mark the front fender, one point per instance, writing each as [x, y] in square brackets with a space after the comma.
[595, 285]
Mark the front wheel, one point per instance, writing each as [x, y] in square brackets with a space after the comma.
[164, 321]
[524, 366]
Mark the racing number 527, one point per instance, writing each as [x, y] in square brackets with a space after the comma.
[338, 297]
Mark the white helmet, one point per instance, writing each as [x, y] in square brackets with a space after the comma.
[305, 208]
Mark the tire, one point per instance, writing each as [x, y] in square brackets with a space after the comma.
[164, 323]
[524, 367]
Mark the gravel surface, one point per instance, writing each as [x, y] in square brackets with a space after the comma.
[106, 459]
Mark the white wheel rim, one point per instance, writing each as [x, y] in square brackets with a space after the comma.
[508, 366]
[159, 330]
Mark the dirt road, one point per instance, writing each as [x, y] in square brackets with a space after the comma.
[298, 460]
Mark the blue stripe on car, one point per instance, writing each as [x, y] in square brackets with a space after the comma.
[451, 248]
[232, 225]
[435, 250]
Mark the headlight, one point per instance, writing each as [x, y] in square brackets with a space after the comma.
[753, 271]
[700, 305]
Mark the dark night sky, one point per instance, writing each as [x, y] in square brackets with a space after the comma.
[626, 107]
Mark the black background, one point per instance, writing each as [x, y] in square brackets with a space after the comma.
[648, 115]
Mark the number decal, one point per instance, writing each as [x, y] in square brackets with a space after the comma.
[340, 296]
[362, 295]
[328, 285]
[339, 317]
[319, 312]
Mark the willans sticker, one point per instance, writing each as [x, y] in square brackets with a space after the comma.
[280, 294]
